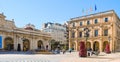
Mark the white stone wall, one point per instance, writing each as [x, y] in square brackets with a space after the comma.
[57, 32]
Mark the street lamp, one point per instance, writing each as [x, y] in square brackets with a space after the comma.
[83, 50]
[86, 34]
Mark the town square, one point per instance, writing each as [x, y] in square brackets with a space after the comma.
[67, 57]
[59, 31]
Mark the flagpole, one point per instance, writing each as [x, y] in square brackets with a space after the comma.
[82, 12]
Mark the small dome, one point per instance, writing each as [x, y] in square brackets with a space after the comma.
[29, 27]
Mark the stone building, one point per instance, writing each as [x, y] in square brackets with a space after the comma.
[56, 30]
[104, 28]
[23, 39]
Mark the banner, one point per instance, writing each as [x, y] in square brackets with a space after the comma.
[0, 42]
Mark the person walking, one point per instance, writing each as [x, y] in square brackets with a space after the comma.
[63, 51]
[70, 50]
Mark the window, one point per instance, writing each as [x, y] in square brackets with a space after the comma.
[80, 23]
[88, 22]
[80, 34]
[106, 19]
[96, 21]
[73, 24]
[73, 34]
[96, 33]
[106, 32]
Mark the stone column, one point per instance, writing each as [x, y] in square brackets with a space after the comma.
[76, 45]
[3, 37]
[21, 43]
[70, 44]
[92, 45]
[76, 39]
[101, 45]
[111, 45]
[35, 44]
[49, 45]
[15, 39]
[31, 44]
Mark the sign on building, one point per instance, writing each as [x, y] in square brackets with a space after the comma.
[0, 42]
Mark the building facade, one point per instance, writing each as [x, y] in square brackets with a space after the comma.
[22, 39]
[56, 30]
[104, 28]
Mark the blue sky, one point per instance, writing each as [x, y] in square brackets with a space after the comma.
[41, 11]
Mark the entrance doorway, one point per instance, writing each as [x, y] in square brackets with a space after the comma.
[88, 45]
[8, 44]
[40, 45]
[26, 45]
[104, 45]
[95, 46]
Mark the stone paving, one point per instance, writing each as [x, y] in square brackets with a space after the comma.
[67, 57]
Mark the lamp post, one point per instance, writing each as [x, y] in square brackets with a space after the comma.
[83, 48]
[86, 30]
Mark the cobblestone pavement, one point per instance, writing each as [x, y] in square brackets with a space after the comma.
[67, 57]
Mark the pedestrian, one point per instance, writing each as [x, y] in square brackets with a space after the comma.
[98, 51]
[70, 50]
[63, 51]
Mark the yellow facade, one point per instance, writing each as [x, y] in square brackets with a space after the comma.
[28, 38]
[105, 30]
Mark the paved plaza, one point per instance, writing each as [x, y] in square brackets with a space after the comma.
[67, 57]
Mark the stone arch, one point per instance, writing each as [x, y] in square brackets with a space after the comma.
[88, 45]
[95, 46]
[40, 44]
[26, 45]
[8, 43]
[104, 44]
[73, 46]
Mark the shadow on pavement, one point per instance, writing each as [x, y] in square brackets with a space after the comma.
[16, 52]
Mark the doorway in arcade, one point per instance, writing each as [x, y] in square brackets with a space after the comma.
[26, 45]
[8, 44]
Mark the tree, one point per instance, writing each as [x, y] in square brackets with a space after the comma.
[83, 51]
[107, 49]
[52, 42]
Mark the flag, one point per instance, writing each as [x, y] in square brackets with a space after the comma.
[83, 11]
[87, 10]
[91, 9]
[95, 8]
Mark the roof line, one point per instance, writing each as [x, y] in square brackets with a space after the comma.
[92, 14]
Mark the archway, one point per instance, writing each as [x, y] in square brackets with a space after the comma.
[95, 46]
[8, 44]
[104, 44]
[40, 45]
[26, 45]
[73, 46]
[88, 45]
